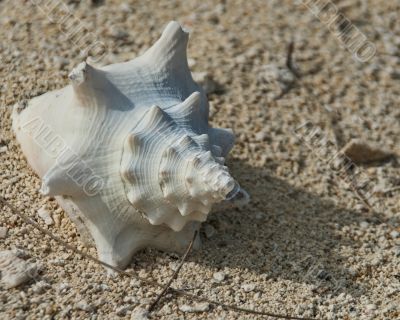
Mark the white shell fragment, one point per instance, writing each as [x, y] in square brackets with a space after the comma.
[3, 232]
[195, 307]
[248, 287]
[219, 276]
[140, 314]
[128, 153]
[14, 270]
[45, 215]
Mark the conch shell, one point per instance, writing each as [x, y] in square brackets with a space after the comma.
[127, 150]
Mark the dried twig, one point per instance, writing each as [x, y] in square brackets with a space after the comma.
[181, 292]
[289, 60]
[175, 274]
[339, 142]
[397, 188]
[359, 194]
[292, 68]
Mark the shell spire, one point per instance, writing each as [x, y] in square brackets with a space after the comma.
[189, 179]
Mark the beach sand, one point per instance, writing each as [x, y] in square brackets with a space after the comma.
[305, 245]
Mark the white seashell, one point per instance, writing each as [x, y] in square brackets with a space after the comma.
[127, 150]
[15, 271]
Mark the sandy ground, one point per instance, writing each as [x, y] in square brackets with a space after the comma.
[305, 245]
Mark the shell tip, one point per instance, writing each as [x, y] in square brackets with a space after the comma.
[78, 74]
[174, 29]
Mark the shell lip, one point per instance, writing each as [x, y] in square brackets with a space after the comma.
[233, 192]
[238, 196]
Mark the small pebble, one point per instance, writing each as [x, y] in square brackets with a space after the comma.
[63, 288]
[376, 260]
[105, 287]
[209, 230]
[394, 234]
[3, 232]
[219, 276]
[259, 215]
[84, 306]
[248, 287]
[45, 215]
[261, 136]
[121, 311]
[370, 307]
[125, 7]
[40, 287]
[364, 224]
[119, 34]
[196, 307]
[58, 262]
[191, 62]
[139, 314]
